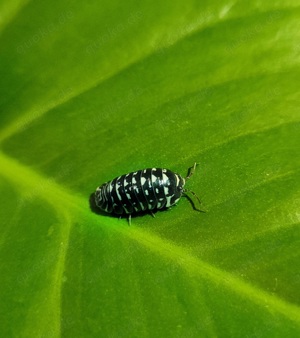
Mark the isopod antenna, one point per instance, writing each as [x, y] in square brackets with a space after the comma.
[191, 172]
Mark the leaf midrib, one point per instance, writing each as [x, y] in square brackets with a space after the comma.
[63, 200]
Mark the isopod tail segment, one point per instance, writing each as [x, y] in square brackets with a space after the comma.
[191, 172]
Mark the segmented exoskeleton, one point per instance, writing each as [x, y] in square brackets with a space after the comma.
[147, 189]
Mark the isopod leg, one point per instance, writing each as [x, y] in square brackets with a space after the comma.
[152, 214]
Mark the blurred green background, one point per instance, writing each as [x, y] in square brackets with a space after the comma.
[90, 91]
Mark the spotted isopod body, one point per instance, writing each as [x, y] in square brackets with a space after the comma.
[142, 190]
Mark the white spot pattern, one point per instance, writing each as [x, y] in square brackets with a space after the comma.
[137, 192]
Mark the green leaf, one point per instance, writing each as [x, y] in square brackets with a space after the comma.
[93, 91]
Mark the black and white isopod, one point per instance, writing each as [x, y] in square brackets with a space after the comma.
[142, 190]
